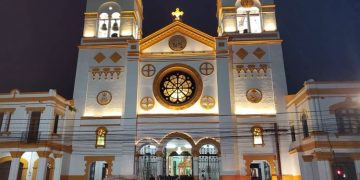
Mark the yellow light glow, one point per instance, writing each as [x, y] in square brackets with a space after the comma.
[230, 28]
[147, 139]
[89, 33]
[104, 113]
[270, 26]
[195, 109]
[255, 111]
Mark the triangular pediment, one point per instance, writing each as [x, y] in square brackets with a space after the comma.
[158, 41]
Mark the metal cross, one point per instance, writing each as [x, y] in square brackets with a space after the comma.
[177, 13]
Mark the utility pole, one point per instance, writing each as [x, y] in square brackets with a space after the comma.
[276, 131]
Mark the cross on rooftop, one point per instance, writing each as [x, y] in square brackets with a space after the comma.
[177, 13]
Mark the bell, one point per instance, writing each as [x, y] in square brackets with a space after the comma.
[115, 26]
[104, 27]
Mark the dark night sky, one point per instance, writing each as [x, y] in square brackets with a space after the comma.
[40, 38]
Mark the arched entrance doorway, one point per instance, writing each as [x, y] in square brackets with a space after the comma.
[178, 158]
[209, 162]
[147, 162]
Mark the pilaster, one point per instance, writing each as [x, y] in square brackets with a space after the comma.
[15, 163]
[58, 166]
[42, 165]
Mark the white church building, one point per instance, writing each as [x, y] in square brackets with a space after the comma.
[181, 104]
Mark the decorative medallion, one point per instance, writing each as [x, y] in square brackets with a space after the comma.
[207, 102]
[247, 3]
[104, 98]
[242, 53]
[115, 57]
[254, 95]
[177, 43]
[206, 69]
[177, 86]
[259, 53]
[147, 103]
[99, 57]
[148, 70]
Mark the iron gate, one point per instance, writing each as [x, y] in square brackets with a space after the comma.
[209, 163]
[147, 163]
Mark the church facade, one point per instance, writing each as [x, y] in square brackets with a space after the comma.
[181, 103]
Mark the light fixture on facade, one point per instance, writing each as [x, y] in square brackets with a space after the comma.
[179, 151]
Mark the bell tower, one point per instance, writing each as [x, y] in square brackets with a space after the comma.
[252, 49]
[106, 78]
[247, 18]
[113, 19]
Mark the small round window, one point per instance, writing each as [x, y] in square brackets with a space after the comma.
[177, 87]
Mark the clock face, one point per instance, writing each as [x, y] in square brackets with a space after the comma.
[177, 43]
[254, 95]
[104, 97]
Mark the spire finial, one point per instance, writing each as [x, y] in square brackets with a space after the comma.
[177, 13]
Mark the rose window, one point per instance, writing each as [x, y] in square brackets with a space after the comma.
[177, 87]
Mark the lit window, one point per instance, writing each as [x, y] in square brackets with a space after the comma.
[101, 137]
[257, 135]
[348, 120]
[177, 87]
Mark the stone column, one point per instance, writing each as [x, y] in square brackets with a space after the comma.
[58, 166]
[324, 169]
[15, 163]
[159, 159]
[356, 158]
[196, 166]
[322, 161]
[229, 146]
[42, 165]
[127, 157]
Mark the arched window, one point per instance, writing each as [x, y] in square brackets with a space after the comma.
[109, 20]
[305, 126]
[348, 120]
[101, 137]
[257, 133]
[248, 16]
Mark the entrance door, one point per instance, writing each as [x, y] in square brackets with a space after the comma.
[178, 159]
[34, 127]
[98, 170]
[209, 162]
[260, 170]
[147, 163]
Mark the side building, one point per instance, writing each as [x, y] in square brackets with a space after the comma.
[35, 135]
[324, 120]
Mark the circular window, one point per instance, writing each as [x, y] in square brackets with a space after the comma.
[177, 86]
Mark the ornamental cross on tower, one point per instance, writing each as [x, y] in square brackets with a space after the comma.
[177, 13]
